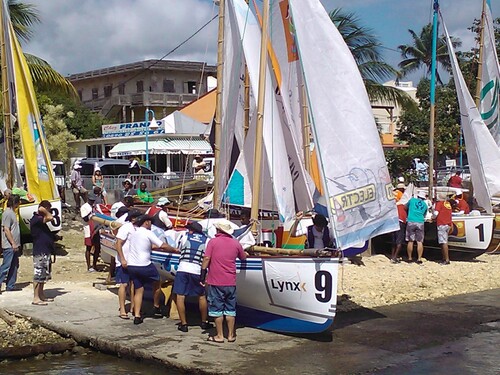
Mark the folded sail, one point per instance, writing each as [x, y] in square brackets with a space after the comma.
[24, 109]
[275, 149]
[490, 78]
[351, 160]
[482, 151]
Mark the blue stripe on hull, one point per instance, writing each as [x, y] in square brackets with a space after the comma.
[277, 323]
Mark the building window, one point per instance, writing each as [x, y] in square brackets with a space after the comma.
[95, 93]
[121, 89]
[80, 94]
[140, 86]
[168, 85]
[108, 90]
[93, 151]
[191, 87]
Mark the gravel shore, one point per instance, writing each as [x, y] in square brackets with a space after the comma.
[371, 283]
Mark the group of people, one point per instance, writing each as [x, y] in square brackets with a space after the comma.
[412, 217]
[207, 266]
[43, 247]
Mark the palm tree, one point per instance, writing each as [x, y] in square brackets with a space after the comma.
[419, 54]
[366, 50]
[23, 17]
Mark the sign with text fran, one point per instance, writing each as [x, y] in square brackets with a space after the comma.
[131, 129]
[304, 285]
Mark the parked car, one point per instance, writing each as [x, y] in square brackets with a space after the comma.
[57, 166]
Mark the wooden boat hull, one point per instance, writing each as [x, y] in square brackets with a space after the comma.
[279, 293]
[470, 237]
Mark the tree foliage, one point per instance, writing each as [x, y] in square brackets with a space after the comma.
[419, 54]
[56, 131]
[23, 17]
[83, 123]
[414, 128]
[366, 50]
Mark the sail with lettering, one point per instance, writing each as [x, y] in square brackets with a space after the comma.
[24, 115]
[482, 151]
[490, 77]
[354, 172]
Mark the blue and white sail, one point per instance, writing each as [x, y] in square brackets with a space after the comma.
[482, 151]
[355, 176]
[490, 77]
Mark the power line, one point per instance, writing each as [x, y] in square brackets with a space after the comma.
[162, 58]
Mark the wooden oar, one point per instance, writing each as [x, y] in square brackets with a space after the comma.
[113, 224]
[303, 252]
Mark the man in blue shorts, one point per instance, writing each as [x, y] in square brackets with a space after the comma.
[220, 258]
[187, 280]
[138, 261]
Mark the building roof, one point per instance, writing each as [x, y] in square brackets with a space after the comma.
[185, 66]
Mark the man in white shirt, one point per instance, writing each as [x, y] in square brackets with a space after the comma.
[138, 263]
[122, 248]
[160, 217]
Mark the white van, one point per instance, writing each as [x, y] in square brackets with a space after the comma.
[57, 166]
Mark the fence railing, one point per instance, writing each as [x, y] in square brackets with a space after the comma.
[153, 181]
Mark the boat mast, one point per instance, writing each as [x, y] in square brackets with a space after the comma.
[218, 110]
[480, 61]
[7, 128]
[257, 163]
[306, 131]
[433, 98]
[246, 109]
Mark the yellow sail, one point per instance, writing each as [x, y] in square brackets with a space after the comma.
[24, 110]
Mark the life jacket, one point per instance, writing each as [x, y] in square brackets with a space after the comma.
[155, 213]
[310, 238]
[194, 248]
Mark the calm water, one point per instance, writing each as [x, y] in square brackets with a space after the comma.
[90, 363]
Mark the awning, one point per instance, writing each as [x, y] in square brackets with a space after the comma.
[162, 147]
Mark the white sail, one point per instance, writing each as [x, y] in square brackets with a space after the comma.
[490, 78]
[482, 151]
[232, 111]
[274, 141]
[352, 163]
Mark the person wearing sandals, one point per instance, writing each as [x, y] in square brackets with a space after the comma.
[187, 280]
[138, 263]
[220, 261]
[122, 248]
[43, 248]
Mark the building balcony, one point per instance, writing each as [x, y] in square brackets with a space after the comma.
[111, 105]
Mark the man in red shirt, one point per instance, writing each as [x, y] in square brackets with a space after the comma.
[455, 181]
[442, 214]
[462, 205]
[220, 257]
[398, 237]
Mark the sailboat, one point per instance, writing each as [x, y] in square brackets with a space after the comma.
[20, 111]
[483, 155]
[296, 292]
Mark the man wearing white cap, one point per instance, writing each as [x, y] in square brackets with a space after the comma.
[417, 209]
[160, 214]
[462, 205]
[77, 185]
[220, 256]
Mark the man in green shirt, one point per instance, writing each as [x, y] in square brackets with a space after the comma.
[143, 194]
[417, 208]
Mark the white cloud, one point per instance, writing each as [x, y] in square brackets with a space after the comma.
[81, 35]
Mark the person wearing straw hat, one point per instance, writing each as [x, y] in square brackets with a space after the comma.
[220, 259]
[417, 209]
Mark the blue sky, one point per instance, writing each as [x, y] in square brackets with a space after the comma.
[81, 35]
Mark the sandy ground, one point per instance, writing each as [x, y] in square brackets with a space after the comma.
[373, 282]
